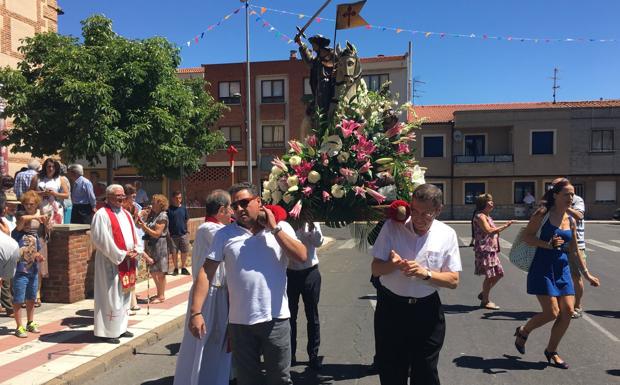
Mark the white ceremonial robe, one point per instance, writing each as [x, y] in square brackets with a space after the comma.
[111, 303]
[205, 361]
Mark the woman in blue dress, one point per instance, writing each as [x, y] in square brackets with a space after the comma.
[549, 277]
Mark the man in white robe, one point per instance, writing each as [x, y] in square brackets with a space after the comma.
[112, 302]
[207, 361]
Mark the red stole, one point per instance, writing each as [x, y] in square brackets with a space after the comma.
[127, 268]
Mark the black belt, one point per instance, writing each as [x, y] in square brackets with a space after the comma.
[406, 300]
[303, 270]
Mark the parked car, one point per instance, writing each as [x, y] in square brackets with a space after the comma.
[616, 215]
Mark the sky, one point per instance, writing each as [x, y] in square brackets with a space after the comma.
[454, 70]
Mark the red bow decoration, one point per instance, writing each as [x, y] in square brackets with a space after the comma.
[399, 211]
[278, 212]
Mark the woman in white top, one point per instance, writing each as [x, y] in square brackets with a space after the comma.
[52, 188]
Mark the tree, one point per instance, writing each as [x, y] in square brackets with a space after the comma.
[109, 95]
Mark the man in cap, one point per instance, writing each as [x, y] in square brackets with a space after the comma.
[322, 75]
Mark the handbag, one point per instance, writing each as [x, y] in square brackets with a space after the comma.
[521, 254]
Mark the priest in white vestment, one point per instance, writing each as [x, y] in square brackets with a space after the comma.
[207, 361]
[114, 238]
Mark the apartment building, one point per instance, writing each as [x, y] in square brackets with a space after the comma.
[509, 149]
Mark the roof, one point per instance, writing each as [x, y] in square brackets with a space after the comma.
[445, 113]
[190, 70]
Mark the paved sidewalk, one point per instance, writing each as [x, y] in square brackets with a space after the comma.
[66, 352]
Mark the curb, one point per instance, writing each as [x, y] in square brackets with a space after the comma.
[124, 352]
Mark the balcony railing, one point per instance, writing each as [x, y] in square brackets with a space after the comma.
[501, 158]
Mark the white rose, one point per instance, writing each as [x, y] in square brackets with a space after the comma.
[266, 185]
[275, 170]
[276, 197]
[287, 198]
[266, 195]
[293, 188]
[314, 176]
[272, 184]
[343, 157]
[292, 180]
[294, 160]
[337, 191]
[417, 177]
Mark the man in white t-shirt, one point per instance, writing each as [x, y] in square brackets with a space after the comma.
[256, 252]
[413, 260]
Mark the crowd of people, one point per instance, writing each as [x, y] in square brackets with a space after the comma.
[251, 266]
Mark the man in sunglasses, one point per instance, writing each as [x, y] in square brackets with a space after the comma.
[255, 250]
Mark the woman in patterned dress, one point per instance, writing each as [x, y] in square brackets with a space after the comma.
[486, 248]
[155, 226]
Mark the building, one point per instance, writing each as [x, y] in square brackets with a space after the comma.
[280, 89]
[20, 19]
[509, 149]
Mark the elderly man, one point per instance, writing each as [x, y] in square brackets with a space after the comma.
[206, 361]
[114, 238]
[82, 195]
[413, 260]
[255, 250]
[24, 178]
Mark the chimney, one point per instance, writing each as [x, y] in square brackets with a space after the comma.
[293, 55]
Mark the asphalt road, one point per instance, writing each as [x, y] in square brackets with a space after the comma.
[479, 343]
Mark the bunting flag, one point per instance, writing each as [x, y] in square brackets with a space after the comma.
[278, 34]
[201, 35]
[441, 35]
[348, 15]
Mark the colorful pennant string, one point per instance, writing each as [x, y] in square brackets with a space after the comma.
[441, 35]
[270, 28]
[201, 35]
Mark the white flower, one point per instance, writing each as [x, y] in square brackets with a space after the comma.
[293, 188]
[265, 185]
[417, 177]
[352, 178]
[275, 170]
[389, 192]
[272, 184]
[294, 160]
[343, 157]
[266, 195]
[314, 176]
[332, 145]
[337, 191]
[276, 197]
[287, 198]
[292, 180]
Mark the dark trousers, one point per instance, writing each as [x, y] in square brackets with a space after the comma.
[82, 214]
[306, 283]
[409, 337]
[6, 297]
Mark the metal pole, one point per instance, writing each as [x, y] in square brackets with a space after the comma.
[248, 88]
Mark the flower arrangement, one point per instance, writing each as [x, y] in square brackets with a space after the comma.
[358, 159]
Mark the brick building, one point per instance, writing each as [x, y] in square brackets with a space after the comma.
[280, 89]
[20, 19]
[508, 149]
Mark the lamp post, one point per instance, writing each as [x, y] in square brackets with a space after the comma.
[248, 133]
[248, 88]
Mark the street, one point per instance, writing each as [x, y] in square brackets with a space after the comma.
[479, 343]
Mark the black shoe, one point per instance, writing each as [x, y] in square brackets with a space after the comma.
[293, 360]
[115, 341]
[315, 363]
[185, 272]
[127, 334]
[520, 336]
[175, 272]
[551, 356]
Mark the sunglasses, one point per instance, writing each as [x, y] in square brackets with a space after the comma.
[243, 203]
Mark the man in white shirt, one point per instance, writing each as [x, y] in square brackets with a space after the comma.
[413, 260]
[255, 250]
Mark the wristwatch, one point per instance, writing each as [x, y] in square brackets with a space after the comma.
[276, 229]
[429, 275]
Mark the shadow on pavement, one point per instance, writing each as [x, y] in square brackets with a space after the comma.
[459, 309]
[509, 315]
[86, 313]
[614, 372]
[329, 373]
[77, 322]
[604, 313]
[4, 331]
[70, 337]
[369, 296]
[497, 365]
[161, 381]
[174, 348]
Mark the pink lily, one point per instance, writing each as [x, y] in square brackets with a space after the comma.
[403, 148]
[307, 191]
[295, 146]
[394, 130]
[296, 210]
[325, 159]
[311, 141]
[359, 191]
[348, 127]
[378, 197]
[326, 196]
[346, 172]
[372, 184]
[364, 147]
[279, 163]
[365, 167]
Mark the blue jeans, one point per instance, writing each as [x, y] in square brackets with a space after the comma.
[25, 286]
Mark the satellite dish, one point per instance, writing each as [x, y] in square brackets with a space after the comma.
[457, 136]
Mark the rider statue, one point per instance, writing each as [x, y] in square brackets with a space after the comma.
[322, 75]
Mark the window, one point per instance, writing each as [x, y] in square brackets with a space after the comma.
[543, 142]
[440, 186]
[307, 88]
[602, 141]
[472, 190]
[273, 136]
[474, 145]
[272, 91]
[432, 146]
[579, 190]
[606, 191]
[374, 82]
[232, 135]
[227, 90]
[521, 189]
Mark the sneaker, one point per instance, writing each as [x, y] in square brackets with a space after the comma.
[175, 272]
[185, 272]
[578, 313]
[21, 332]
[33, 327]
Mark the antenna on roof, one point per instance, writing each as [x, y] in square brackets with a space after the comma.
[555, 82]
[416, 91]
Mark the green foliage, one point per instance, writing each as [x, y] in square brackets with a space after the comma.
[109, 95]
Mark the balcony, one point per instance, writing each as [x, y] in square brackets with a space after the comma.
[499, 158]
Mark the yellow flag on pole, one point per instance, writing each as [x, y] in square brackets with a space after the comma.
[348, 15]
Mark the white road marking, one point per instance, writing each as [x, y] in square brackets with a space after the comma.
[465, 241]
[600, 328]
[505, 244]
[614, 240]
[603, 245]
[348, 244]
